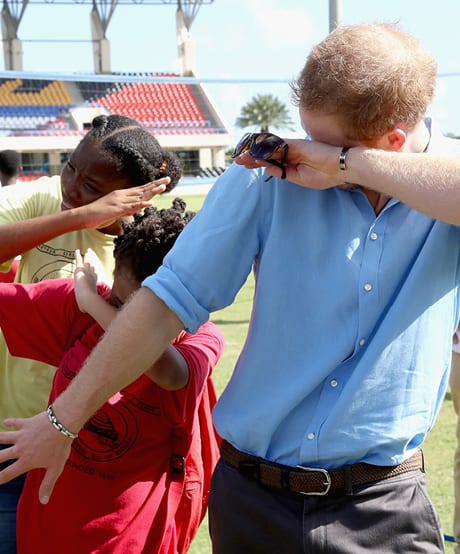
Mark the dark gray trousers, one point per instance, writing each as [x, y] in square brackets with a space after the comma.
[394, 516]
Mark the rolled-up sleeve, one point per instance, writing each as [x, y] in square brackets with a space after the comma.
[213, 256]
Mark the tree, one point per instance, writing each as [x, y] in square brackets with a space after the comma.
[264, 111]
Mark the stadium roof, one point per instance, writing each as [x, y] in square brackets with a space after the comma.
[122, 2]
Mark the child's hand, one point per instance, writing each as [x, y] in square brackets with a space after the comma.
[85, 279]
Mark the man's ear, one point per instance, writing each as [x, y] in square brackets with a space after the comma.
[393, 140]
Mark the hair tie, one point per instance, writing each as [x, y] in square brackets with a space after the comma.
[163, 166]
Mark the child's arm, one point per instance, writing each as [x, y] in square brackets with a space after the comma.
[88, 299]
[198, 353]
[170, 371]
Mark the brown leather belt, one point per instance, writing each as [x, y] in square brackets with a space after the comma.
[313, 481]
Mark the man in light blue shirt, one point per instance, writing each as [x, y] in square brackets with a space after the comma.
[347, 356]
[326, 361]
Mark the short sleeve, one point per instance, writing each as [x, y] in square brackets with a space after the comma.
[35, 318]
[201, 352]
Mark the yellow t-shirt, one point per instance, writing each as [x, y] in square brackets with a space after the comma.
[25, 384]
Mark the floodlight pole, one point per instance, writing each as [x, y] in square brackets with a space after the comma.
[100, 17]
[102, 10]
[335, 14]
[11, 15]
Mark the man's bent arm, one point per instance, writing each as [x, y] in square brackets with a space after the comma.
[136, 338]
[427, 183]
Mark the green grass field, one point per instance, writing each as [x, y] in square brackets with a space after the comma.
[439, 446]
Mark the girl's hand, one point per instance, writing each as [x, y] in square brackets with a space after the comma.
[105, 212]
[85, 279]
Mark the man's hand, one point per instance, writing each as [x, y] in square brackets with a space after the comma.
[35, 444]
[309, 164]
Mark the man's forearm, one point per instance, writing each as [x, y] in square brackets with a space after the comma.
[136, 338]
[429, 184]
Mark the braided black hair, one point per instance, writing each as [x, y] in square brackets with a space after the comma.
[146, 241]
[136, 152]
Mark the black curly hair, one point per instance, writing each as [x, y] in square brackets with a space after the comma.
[10, 162]
[146, 241]
[135, 151]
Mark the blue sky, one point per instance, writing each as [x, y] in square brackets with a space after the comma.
[239, 40]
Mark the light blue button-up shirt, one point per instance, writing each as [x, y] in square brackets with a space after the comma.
[348, 349]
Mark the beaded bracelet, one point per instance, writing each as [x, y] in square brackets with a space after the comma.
[58, 425]
[343, 158]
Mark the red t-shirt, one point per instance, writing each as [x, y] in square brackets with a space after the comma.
[119, 492]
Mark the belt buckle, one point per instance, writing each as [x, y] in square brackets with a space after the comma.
[327, 483]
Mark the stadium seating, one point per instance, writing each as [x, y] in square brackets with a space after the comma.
[40, 107]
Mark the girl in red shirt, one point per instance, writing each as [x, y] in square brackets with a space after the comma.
[138, 476]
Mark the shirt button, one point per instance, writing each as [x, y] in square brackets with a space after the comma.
[310, 436]
[333, 383]
[367, 287]
[362, 342]
[373, 236]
